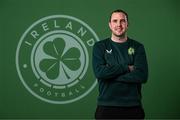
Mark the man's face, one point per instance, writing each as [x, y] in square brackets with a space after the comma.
[118, 24]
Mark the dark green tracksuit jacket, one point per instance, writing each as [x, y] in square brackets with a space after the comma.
[117, 85]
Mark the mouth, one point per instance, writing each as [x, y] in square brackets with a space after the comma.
[119, 30]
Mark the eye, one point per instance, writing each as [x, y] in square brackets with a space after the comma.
[123, 21]
[114, 21]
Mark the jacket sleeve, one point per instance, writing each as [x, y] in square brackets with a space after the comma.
[102, 70]
[140, 73]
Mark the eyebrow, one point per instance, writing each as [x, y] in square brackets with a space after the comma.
[117, 19]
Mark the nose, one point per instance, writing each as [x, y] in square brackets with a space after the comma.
[119, 23]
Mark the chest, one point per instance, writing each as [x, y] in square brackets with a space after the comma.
[123, 54]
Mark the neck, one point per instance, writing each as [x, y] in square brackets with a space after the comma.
[119, 39]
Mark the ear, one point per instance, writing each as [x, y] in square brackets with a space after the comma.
[110, 25]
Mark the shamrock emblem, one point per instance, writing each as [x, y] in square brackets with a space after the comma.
[59, 58]
[131, 51]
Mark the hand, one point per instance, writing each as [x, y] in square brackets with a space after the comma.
[131, 68]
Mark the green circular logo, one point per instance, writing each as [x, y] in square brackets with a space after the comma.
[52, 59]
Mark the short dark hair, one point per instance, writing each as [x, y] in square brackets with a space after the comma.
[116, 11]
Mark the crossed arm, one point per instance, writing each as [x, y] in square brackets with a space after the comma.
[104, 69]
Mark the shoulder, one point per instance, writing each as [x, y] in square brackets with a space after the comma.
[135, 43]
[138, 46]
[102, 43]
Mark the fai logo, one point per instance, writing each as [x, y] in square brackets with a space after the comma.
[53, 59]
[131, 51]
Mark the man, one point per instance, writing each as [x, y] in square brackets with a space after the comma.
[120, 65]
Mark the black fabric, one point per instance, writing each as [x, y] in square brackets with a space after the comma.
[111, 112]
[118, 86]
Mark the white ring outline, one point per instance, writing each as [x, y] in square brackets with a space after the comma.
[17, 59]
